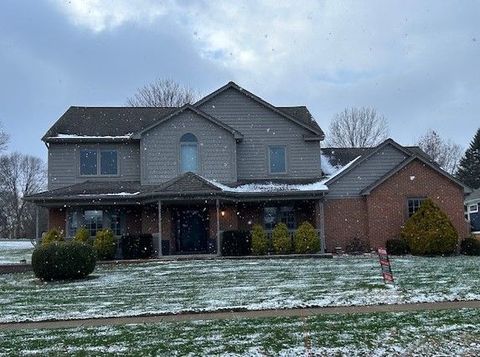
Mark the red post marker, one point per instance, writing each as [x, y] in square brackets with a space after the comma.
[385, 265]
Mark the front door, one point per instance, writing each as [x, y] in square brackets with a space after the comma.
[191, 232]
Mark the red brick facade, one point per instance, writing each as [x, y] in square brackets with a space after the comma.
[381, 215]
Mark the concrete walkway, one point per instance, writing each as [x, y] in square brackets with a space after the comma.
[242, 314]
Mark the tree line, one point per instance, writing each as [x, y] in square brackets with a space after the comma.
[20, 175]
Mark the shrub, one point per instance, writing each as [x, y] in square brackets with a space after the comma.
[470, 246]
[53, 235]
[429, 231]
[105, 244]
[281, 241]
[236, 243]
[357, 246]
[82, 235]
[306, 239]
[397, 247]
[259, 240]
[138, 246]
[63, 260]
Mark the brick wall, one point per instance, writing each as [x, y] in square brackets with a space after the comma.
[387, 204]
[57, 218]
[381, 215]
[345, 219]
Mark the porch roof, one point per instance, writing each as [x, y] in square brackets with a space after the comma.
[184, 187]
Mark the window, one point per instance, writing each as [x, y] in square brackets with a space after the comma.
[277, 159]
[188, 153]
[108, 162]
[88, 162]
[413, 205]
[94, 162]
[115, 224]
[473, 208]
[72, 222]
[274, 215]
[93, 221]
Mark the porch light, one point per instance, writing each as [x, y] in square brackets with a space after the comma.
[222, 212]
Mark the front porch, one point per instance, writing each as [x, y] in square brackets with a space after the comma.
[190, 227]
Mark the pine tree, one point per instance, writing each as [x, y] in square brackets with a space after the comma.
[469, 169]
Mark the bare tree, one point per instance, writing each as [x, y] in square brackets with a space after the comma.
[162, 93]
[20, 176]
[4, 138]
[445, 153]
[357, 127]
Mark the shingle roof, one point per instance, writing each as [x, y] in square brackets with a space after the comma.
[303, 114]
[121, 121]
[342, 156]
[106, 121]
[475, 195]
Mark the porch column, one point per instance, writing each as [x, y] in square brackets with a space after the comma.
[37, 227]
[219, 250]
[320, 221]
[160, 229]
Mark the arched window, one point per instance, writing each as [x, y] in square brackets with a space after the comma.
[188, 153]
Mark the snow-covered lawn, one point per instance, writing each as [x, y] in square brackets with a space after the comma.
[252, 284]
[439, 333]
[12, 251]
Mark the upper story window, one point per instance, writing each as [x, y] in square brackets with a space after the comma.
[188, 153]
[277, 158]
[413, 205]
[98, 162]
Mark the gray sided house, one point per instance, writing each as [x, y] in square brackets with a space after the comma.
[227, 162]
[472, 210]
[184, 174]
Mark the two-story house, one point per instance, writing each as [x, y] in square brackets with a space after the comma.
[227, 162]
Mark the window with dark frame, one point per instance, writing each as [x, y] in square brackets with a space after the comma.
[283, 214]
[277, 159]
[98, 162]
[72, 221]
[115, 224]
[413, 205]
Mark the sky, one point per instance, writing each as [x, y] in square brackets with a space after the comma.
[417, 63]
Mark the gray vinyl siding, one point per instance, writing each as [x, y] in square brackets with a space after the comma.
[161, 149]
[262, 128]
[64, 165]
[366, 173]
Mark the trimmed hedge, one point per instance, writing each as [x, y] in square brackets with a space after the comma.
[397, 247]
[235, 243]
[259, 240]
[305, 239]
[429, 231]
[470, 246]
[282, 244]
[105, 244]
[63, 260]
[82, 235]
[53, 235]
[139, 246]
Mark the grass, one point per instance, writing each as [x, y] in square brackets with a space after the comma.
[452, 332]
[211, 285]
[12, 251]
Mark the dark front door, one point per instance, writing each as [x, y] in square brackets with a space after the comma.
[191, 232]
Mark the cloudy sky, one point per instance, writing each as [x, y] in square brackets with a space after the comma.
[418, 63]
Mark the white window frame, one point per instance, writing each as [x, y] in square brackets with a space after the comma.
[474, 210]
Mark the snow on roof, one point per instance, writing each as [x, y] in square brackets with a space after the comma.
[73, 136]
[272, 187]
[327, 168]
[320, 185]
[111, 194]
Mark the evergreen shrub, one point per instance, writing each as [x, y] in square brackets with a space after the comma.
[260, 243]
[397, 247]
[53, 235]
[305, 239]
[105, 244]
[282, 244]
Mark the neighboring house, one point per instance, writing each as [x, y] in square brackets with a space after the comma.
[227, 162]
[472, 210]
